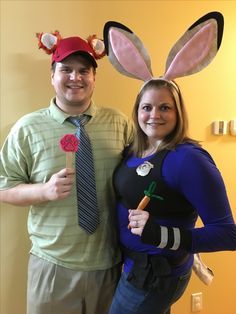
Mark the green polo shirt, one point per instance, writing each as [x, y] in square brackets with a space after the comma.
[32, 154]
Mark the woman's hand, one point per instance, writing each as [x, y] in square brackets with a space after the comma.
[137, 220]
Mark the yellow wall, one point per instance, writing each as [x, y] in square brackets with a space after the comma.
[209, 95]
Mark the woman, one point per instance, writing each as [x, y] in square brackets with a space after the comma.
[182, 182]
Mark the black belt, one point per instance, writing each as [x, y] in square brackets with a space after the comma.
[174, 261]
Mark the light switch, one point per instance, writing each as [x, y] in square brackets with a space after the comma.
[219, 127]
[232, 127]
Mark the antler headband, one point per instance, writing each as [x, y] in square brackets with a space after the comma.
[191, 53]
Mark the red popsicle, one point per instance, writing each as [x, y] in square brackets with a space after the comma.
[69, 144]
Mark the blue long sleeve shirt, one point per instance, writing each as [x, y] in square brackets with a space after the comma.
[190, 171]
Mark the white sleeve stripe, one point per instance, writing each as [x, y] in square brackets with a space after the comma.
[164, 238]
[176, 239]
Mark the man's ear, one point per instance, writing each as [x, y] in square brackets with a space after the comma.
[52, 76]
[94, 74]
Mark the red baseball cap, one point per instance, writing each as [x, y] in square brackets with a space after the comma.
[70, 45]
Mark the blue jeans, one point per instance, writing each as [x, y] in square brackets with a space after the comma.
[130, 300]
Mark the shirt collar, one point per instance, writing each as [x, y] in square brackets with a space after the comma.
[60, 116]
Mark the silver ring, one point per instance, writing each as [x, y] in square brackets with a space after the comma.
[136, 224]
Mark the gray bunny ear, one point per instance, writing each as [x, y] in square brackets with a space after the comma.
[126, 52]
[196, 48]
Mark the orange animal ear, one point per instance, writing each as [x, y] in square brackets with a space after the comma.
[48, 41]
[97, 45]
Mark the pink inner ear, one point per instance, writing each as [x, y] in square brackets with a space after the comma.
[128, 55]
[193, 53]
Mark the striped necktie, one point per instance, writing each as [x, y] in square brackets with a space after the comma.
[85, 178]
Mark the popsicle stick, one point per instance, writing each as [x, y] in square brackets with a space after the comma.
[69, 159]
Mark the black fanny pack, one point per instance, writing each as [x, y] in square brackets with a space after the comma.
[148, 270]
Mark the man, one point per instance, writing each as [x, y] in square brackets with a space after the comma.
[70, 270]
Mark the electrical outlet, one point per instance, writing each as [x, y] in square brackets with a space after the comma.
[197, 302]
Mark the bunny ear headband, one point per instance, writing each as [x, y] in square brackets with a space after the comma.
[191, 53]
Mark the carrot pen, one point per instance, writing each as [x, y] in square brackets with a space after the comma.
[143, 203]
[146, 199]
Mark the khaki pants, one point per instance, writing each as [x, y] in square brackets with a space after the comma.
[53, 289]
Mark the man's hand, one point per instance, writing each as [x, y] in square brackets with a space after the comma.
[59, 186]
